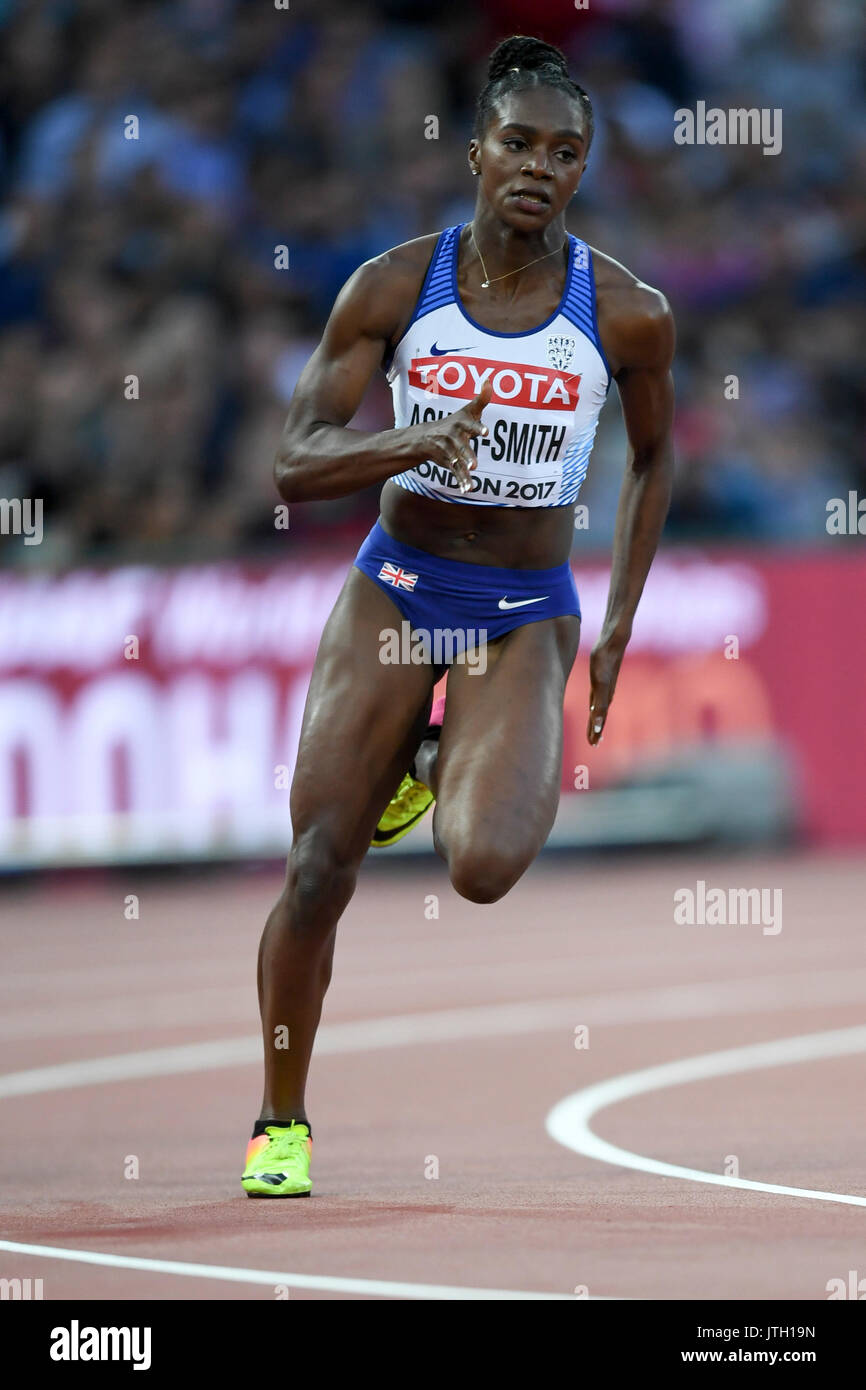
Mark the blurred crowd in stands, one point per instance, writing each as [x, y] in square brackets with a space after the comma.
[257, 125]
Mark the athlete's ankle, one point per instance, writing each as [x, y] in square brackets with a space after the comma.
[261, 1125]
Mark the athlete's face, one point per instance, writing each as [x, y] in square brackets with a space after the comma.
[535, 143]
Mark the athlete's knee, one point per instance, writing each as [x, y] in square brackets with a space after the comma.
[484, 874]
[319, 879]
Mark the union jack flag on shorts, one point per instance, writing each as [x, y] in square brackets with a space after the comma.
[396, 575]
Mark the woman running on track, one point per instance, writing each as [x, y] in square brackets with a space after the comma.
[499, 339]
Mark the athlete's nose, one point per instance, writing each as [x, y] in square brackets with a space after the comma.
[537, 167]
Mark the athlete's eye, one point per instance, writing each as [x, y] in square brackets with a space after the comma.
[570, 156]
[513, 140]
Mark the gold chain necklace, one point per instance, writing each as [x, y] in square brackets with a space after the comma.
[487, 282]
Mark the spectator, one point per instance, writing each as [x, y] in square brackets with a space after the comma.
[144, 251]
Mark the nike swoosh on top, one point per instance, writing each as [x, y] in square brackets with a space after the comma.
[521, 602]
[439, 352]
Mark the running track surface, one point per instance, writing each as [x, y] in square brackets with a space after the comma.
[447, 1043]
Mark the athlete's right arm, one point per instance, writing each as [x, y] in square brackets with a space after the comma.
[318, 456]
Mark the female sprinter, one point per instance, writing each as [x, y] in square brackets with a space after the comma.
[499, 339]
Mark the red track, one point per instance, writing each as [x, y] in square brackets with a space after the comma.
[511, 1209]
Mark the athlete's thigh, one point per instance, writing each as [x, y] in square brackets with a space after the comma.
[362, 720]
[499, 769]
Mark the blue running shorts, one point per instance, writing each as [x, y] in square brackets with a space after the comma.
[457, 606]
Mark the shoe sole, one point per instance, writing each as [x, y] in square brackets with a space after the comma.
[394, 835]
[278, 1194]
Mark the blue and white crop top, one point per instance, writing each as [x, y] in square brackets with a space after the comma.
[549, 385]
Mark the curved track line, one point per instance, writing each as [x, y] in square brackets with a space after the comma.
[569, 1121]
[383, 1288]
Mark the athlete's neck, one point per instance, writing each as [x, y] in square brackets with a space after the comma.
[506, 248]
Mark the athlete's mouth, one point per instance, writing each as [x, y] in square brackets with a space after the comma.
[530, 195]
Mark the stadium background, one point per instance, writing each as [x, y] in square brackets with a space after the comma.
[738, 715]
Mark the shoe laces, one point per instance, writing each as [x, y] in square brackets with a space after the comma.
[285, 1142]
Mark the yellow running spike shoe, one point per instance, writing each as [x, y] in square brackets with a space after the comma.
[405, 809]
[278, 1162]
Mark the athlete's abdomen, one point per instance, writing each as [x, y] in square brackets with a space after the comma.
[510, 537]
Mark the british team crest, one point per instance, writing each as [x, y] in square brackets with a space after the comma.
[560, 351]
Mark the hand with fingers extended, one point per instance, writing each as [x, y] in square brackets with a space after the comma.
[448, 441]
[604, 663]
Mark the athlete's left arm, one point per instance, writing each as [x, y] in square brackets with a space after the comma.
[638, 334]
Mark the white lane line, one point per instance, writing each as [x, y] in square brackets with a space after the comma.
[123, 1015]
[623, 1007]
[683, 1001]
[384, 1288]
[569, 1122]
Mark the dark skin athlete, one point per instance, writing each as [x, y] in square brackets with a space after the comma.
[496, 770]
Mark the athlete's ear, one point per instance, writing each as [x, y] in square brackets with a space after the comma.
[580, 176]
[474, 154]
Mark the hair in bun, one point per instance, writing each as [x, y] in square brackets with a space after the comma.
[524, 52]
[523, 62]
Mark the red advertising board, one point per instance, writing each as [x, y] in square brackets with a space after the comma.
[155, 713]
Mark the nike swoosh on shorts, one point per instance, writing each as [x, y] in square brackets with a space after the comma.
[521, 602]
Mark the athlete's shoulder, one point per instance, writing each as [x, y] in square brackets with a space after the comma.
[407, 259]
[634, 319]
[623, 292]
[383, 290]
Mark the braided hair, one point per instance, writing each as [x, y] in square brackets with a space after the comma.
[520, 63]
